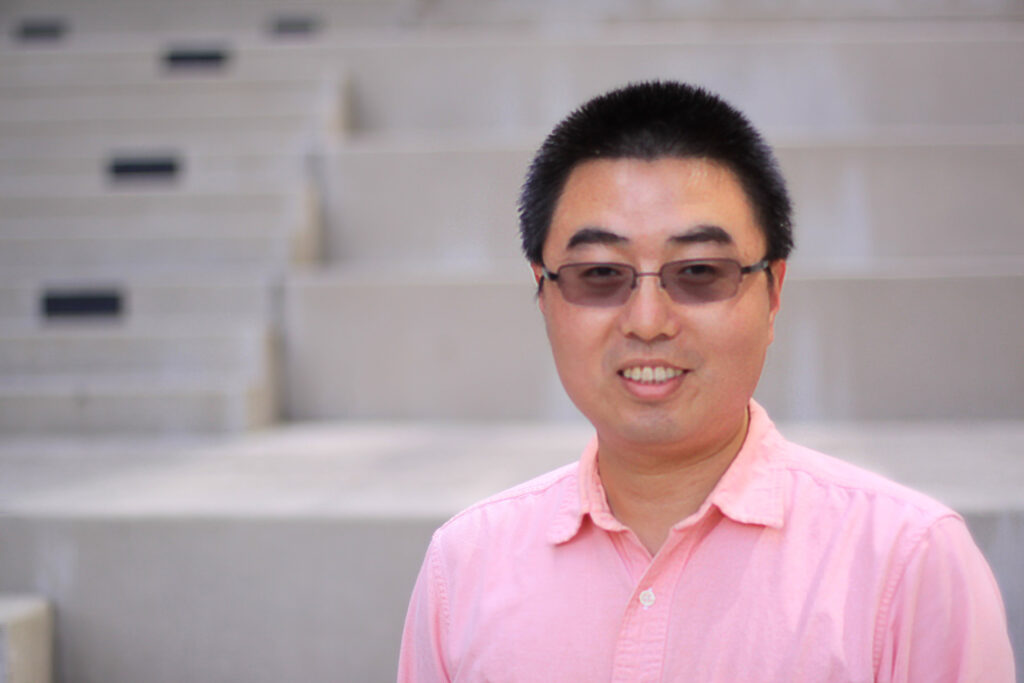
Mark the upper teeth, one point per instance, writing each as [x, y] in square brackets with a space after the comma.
[648, 373]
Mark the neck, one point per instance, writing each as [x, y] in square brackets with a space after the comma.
[651, 490]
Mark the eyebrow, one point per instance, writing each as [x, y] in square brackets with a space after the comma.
[594, 236]
[701, 233]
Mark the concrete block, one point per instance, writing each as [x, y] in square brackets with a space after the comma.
[107, 19]
[940, 346]
[162, 350]
[154, 204]
[806, 78]
[795, 75]
[559, 14]
[108, 59]
[457, 202]
[138, 403]
[180, 297]
[26, 639]
[289, 555]
[381, 344]
[263, 598]
[859, 205]
[253, 132]
[859, 202]
[152, 226]
[139, 228]
[393, 344]
[225, 98]
[86, 168]
[58, 254]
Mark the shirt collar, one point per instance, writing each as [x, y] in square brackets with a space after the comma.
[750, 491]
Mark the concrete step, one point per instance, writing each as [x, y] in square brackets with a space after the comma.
[139, 227]
[171, 98]
[271, 252]
[164, 350]
[859, 201]
[559, 14]
[149, 203]
[884, 345]
[148, 56]
[134, 403]
[111, 19]
[115, 531]
[252, 132]
[801, 75]
[94, 168]
[26, 639]
[458, 346]
[180, 296]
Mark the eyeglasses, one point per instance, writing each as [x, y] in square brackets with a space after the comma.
[692, 281]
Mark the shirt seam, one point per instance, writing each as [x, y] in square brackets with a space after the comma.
[441, 583]
[937, 510]
[518, 493]
[884, 619]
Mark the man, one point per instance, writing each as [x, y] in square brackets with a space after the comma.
[691, 542]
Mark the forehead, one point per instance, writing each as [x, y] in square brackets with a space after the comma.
[651, 203]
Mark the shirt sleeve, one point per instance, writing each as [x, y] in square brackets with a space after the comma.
[946, 620]
[422, 658]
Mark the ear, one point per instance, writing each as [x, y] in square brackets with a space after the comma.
[778, 270]
[538, 279]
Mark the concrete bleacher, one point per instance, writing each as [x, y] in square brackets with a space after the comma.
[312, 337]
[26, 639]
[185, 194]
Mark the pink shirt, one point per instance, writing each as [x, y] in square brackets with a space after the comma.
[798, 567]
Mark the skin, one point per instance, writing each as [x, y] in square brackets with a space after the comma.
[662, 448]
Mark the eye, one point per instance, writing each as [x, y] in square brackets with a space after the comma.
[597, 272]
[697, 272]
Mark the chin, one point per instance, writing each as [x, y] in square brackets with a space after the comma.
[660, 429]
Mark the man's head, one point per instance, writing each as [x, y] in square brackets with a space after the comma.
[664, 281]
[650, 121]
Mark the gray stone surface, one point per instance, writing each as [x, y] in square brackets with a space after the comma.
[26, 639]
[796, 75]
[105, 18]
[160, 295]
[860, 201]
[289, 554]
[169, 98]
[96, 378]
[885, 345]
[82, 165]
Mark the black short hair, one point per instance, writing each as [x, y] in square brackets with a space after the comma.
[654, 120]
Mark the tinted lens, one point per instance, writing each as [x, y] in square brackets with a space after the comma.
[596, 284]
[697, 281]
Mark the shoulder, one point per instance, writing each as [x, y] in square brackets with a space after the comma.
[812, 472]
[525, 508]
[831, 503]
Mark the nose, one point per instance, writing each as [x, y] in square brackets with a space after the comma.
[649, 313]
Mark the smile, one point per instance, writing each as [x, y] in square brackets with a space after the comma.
[651, 374]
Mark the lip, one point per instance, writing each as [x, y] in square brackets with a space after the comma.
[654, 390]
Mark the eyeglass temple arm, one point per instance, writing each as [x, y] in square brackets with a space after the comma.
[547, 273]
[753, 268]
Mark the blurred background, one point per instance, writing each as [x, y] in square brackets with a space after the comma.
[264, 322]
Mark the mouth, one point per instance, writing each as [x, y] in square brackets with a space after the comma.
[651, 374]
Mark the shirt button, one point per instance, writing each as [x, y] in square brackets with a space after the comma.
[647, 598]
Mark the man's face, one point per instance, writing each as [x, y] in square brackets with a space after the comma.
[645, 214]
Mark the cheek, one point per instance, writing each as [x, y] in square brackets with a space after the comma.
[740, 346]
[576, 337]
